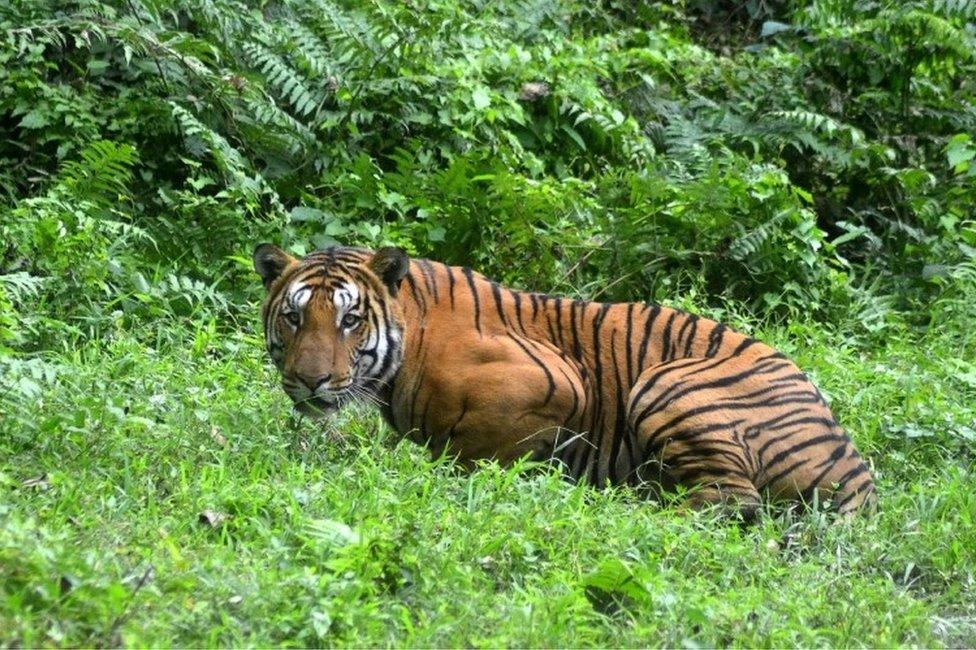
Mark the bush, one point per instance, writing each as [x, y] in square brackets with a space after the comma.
[785, 159]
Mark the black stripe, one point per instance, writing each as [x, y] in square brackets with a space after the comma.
[430, 278]
[791, 379]
[710, 476]
[691, 335]
[648, 326]
[755, 430]
[715, 340]
[827, 422]
[573, 307]
[416, 389]
[423, 418]
[786, 472]
[474, 294]
[710, 449]
[867, 485]
[666, 338]
[809, 442]
[453, 430]
[724, 425]
[670, 367]
[675, 391]
[766, 390]
[517, 298]
[745, 345]
[681, 333]
[782, 439]
[390, 345]
[598, 423]
[829, 464]
[496, 292]
[686, 414]
[418, 297]
[579, 473]
[629, 345]
[576, 397]
[688, 435]
[858, 469]
[549, 323]
[450, 284]
[558, 306]
[541, 364]
[620, 425]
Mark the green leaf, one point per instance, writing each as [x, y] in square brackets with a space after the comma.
[331, 533]
[436, 234]
[959, 151]
[481, 97]
[36, 119]
[303, 213]
[615, 577]
[771, 27]
[574, 135]
[336, 228]
[321, 623]
[852, 233]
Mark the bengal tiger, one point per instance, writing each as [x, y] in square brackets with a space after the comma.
[619, 394]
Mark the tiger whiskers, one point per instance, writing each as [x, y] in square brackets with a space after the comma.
[358, 392]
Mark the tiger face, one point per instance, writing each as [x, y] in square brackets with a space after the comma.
[332, 324]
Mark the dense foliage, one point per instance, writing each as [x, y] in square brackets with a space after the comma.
[765, 161]
[611, 150]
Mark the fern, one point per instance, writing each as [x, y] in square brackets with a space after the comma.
[309, 50]
[820, 130]
[280, 75]
[751, 241]
[21, 287]
[102, 173]
[960, 9]
[199, 135]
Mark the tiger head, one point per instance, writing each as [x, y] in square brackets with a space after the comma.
[332, 323]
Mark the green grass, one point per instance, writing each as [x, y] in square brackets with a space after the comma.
[345, 538]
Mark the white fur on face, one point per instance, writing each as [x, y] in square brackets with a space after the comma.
[376, 342]
[295, 299]
[344, 297]
[298, 296]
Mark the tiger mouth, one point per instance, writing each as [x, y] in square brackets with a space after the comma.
[316, 406]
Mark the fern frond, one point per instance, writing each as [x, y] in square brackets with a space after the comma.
[283, 78]
[102, 174]
[227, 158]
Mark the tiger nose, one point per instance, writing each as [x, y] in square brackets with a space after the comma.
[314, 382]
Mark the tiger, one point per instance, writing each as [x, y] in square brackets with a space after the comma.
[614, 394]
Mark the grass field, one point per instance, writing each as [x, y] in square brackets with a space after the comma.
[156, 490]
[802, 171]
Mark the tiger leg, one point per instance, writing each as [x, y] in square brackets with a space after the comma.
[726, 421]
[498, 398]
[811, 459]
[680, 447]
[713, 469]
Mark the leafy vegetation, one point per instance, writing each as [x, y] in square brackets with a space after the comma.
[803, 171]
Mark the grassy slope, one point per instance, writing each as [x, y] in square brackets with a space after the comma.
[348, 539]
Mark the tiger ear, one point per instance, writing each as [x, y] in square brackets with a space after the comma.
[390, 264]
[270, 261]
